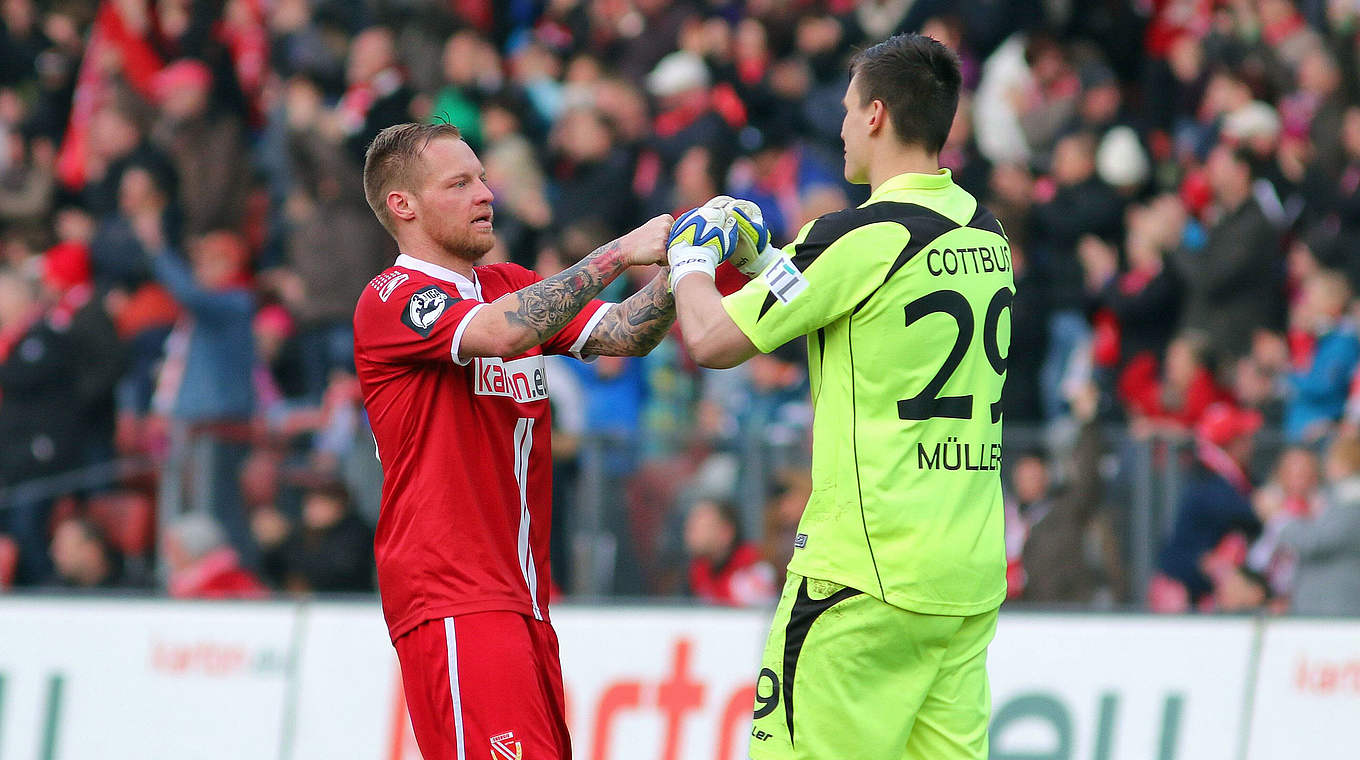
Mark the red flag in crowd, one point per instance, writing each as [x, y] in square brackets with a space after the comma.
[121, 28]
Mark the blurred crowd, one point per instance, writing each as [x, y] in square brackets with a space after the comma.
[183, 235]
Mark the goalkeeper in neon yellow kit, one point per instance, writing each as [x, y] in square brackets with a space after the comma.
[878, 647]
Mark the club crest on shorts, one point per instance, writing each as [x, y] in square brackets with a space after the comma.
[504, 747]
[424, 309]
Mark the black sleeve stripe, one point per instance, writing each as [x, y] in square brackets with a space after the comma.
[834, 226]
[765, 306]
[985, 220]
[924, 229]
[825, 231]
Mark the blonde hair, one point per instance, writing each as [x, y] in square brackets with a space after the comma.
[392, 161]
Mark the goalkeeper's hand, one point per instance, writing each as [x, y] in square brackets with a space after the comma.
[701, 239]
[753, 254]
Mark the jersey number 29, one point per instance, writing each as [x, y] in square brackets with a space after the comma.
[929, 403]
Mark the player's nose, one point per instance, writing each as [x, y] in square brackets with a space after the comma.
[485, 196]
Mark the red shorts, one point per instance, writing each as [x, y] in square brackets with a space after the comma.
[486, 682]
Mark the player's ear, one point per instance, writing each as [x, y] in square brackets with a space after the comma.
[399, 205]
[878, 116]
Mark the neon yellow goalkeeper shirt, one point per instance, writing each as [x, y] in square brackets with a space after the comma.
[905, 302]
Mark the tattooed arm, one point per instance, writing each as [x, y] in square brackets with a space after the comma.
[634, 327]
[516, 322]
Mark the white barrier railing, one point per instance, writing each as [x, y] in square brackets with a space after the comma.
[300, 681]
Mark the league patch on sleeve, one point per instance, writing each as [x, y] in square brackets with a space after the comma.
[425, 308]
[785, 281]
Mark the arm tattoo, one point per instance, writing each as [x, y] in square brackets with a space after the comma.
[545, 307]
[634, 327]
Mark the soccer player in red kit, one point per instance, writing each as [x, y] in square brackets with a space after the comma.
[450, 358]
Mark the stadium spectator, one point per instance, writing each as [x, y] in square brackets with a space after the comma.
[1076, 203]
[1319, 389]
[1334, 197]
[1145, 298]
[1233, 280]
[699, 175]
[1327, 543]
[536, 71]
[83, 557]
[1176, 395]
[75, 310]
[207, 386]
[688, 112]
[40, 425]
[1100, 108]
[725, 568]
[471, 70]
[27, 182]
[202, 565]
[637, 37]
[668, 412]
[196, 135]
[1292, 493]
[1255, 130]
[329, 549]
[117, 257]
[377, 93]
[1059, 539]
[587, 169]
[1214, 503]
[1027, 502]
[117, 142]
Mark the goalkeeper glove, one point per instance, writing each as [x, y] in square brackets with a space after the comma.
[753, 254]
[701, 239]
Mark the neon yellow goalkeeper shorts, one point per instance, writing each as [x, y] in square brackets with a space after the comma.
[847, 676]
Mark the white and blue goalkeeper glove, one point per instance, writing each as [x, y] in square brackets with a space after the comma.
[700, 240]
[754, 253]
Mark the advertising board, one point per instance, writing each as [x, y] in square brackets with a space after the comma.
[305, 681]
[1118, 687]
[1307, 697]
[130, 680]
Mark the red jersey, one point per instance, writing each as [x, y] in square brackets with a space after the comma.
[464, 445]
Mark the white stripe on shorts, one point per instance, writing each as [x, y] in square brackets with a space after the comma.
[453, 687]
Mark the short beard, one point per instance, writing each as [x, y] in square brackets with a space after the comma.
[467, 247]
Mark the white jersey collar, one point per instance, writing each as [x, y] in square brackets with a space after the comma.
[466, 288]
